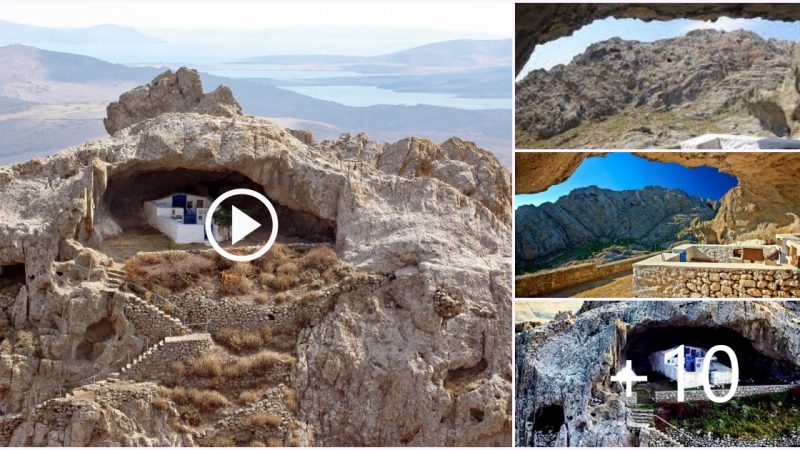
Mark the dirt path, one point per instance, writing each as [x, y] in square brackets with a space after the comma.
[617, 286]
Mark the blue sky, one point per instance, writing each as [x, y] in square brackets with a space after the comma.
[562, 50]
[623, 171]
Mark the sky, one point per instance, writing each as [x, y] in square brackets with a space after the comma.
[562, 50]
[624, 171]
[490, 18]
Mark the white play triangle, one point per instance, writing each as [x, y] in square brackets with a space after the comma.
[241, 225]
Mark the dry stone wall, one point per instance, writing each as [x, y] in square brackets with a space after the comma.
[150, 321]
[155, 363]
[546, 282]
[705, 281]
[700, 395]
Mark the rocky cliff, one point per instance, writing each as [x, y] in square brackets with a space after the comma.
[567, 363]
[649, 217]
[764, 202]
[376, 370]
[630, 94]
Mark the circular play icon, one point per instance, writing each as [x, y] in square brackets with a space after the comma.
[241, 225]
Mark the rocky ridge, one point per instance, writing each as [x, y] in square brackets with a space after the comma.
[630, 94]
[764, 202]
[649, 217]
[437, 216]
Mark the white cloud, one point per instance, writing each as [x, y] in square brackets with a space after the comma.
[724, 24]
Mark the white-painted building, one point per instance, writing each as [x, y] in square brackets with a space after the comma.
[694, 357]
[180, 216]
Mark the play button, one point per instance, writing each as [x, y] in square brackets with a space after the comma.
[241, 225]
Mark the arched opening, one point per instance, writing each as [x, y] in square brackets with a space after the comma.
[755, 368]
[126, 194]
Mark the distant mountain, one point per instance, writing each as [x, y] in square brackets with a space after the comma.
[63, 97]
[455, 55]
[17, 33]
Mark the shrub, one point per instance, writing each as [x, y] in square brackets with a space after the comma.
[320, 258]
[274, 442]
[261, 420]
[283, 282]
[6, 347]
[262, 299]
[289, 268]
[244, 340]
[189, 415]
[219, 441]
[249, 396]
[170, 271]
[260, 362]
[257, 444]
[290, 398]
[278, 254]
[280, 297]
[242, 268]
[206, 366]
[202, 399]
[236, 284]
[160, 403]
[26, 340]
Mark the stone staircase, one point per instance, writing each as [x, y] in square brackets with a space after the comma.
[155, 361]
[643, 420]
[116, 277]
[139, 305]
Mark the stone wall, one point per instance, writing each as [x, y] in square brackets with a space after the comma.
[272, 402]
[7, 426]
[150, 321]
[202, 310]
[695, 395]
[155, 363]
[548, 281]
[709, 280]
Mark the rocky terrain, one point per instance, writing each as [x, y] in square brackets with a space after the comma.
[764, 202]
[405, 341]
[648, 218]
[630, 94]
[563, 367]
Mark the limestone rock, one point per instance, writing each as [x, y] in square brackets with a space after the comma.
[436, 215]
[652, 216]
[632, 94]
[181, 91]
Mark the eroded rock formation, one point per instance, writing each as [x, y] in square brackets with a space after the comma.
[649, 217]
[764, 202]
[568, 362]
[181, 91]
[376, 369]
[630, 94]
[539, 23]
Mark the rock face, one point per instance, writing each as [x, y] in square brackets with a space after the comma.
[539, 23]
[377, 369]
[568, 362]
[652, 216]
[764, 202]
[655, 94]
[181, 91]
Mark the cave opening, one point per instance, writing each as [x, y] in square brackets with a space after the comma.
[12, 275]
[613, 207]
[94, 339]
[127, 192]
[755, 368]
